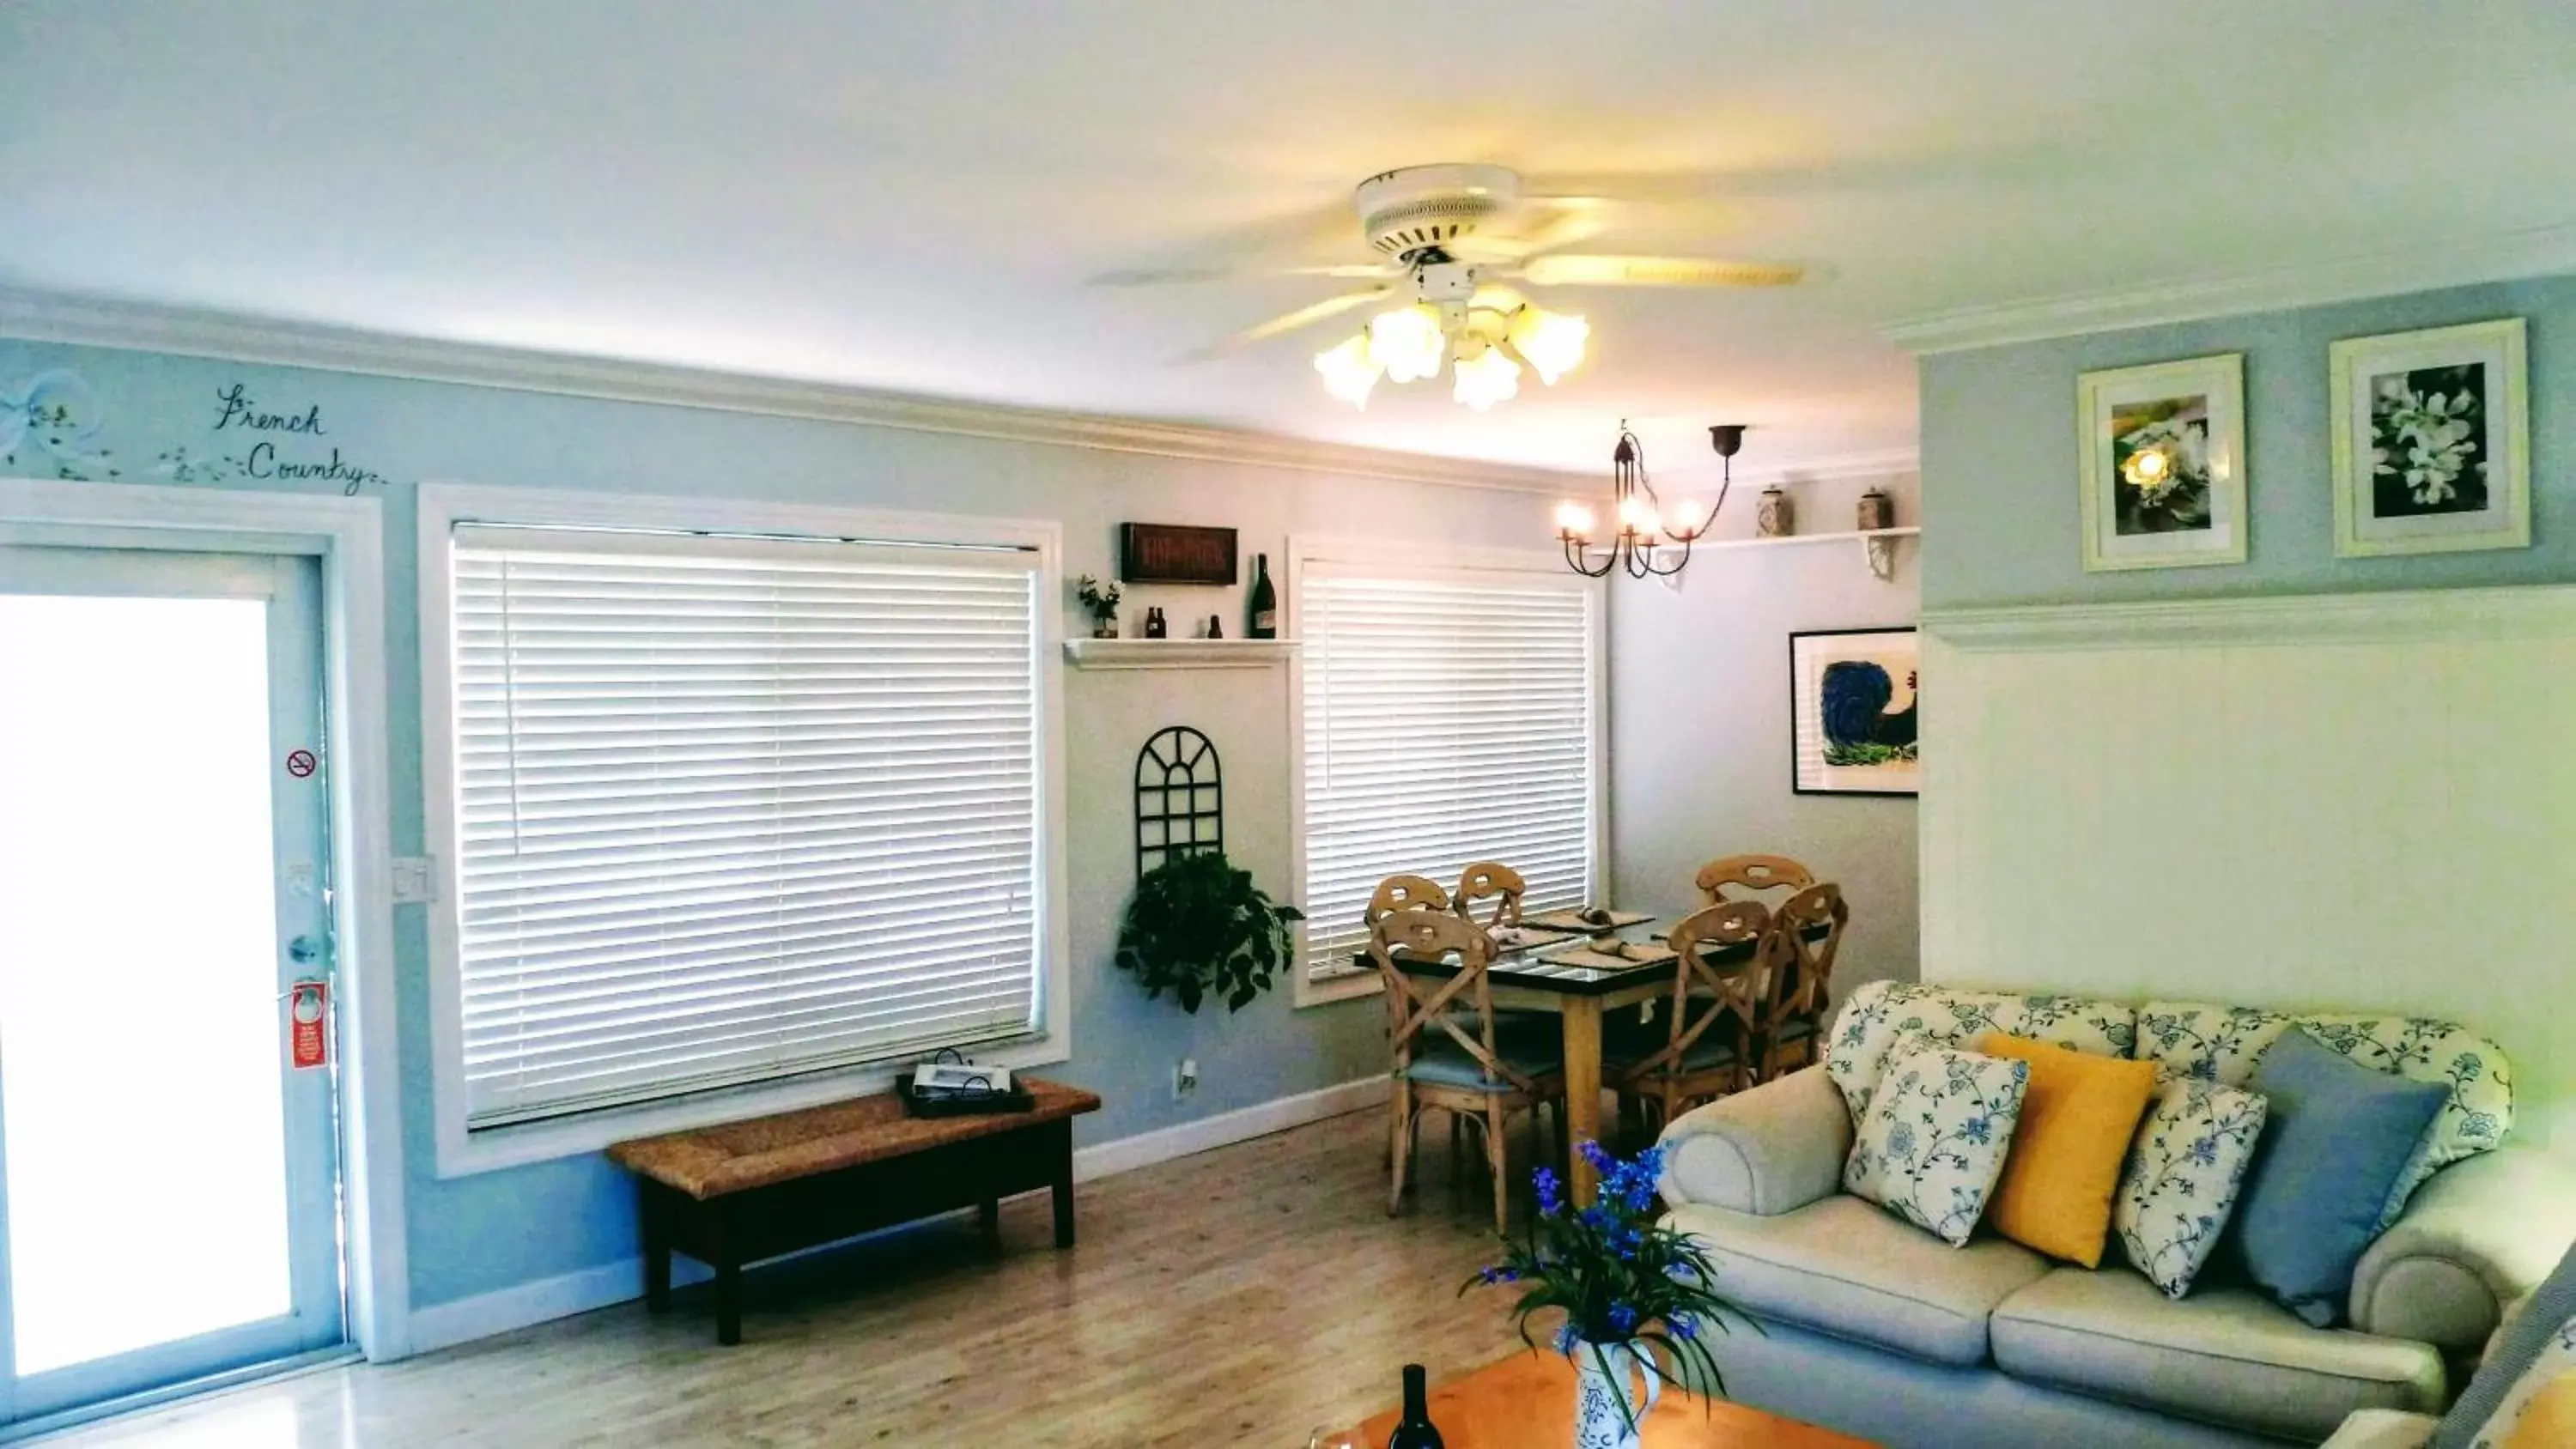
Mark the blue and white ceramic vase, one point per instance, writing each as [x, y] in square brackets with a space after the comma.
[1607, 1405]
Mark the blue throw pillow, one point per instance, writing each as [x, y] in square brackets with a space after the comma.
[2335, 1139]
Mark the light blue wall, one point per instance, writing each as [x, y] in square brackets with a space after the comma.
[1999, 459]
[479, 1234]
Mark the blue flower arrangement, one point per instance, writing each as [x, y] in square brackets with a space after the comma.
[1618, 1275]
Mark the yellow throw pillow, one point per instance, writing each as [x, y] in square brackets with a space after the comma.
[2549, 1420]
[2077, 1120]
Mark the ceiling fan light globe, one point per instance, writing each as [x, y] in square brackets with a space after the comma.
[1349, 372]
[1487, 378]
[1408, 343]
[1552, 342]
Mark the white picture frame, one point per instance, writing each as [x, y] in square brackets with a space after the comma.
[2189, 414]
[2432, 440]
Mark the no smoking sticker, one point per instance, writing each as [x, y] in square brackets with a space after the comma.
[301, 764]
[308, 1002]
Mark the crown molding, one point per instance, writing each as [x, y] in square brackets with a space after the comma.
[98, 322]
[2507, 256]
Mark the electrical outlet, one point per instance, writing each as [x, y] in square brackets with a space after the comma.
[1185, 1077]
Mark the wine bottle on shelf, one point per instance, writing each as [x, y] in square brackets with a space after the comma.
[1265, 601]
[1414, 1430]
[1153, 623]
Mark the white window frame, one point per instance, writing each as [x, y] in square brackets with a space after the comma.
[1430, 564]
[445, 505]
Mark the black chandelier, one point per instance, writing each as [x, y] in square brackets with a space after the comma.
[1638, 513]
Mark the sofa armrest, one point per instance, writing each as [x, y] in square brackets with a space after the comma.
[2384, 1429]
[2482, 1233]
[1768, 1151]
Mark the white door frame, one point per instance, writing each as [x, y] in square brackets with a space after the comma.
[347, 535]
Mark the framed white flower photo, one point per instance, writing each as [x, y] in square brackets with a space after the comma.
[2162, 466]
[2432, 441]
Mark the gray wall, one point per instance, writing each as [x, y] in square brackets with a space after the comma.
[1699, 725]
[508, 1228]
[1999, 456]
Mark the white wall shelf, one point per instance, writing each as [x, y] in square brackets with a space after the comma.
[1877, 545]
[1177, 653]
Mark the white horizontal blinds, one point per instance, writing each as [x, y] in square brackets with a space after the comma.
[734, 809]
[1448, 720]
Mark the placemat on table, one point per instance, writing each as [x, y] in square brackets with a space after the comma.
[1632, 955]
[1571, 919]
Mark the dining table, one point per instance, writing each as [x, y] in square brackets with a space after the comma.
[1580, 977]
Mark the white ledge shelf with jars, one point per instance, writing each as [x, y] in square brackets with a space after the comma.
[1177, 653]
[1877, 545]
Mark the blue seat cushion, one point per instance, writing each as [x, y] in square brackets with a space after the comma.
[1441, 1062]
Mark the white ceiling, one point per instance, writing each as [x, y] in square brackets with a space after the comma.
[910, 195]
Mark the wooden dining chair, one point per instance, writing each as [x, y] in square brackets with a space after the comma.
[1706, 1048]
[1750, 876]
[1790, 1023]
[1447, 1052]
[1491, 879]
[1404, 893]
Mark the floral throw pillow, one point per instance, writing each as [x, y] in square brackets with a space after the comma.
[1933, 1141]
[1884, 1018]
[2557, 1359]
[2183, 1176]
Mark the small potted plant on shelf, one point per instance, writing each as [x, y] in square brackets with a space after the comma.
[1101, 600]
[1201, 928]
[1629, 1288]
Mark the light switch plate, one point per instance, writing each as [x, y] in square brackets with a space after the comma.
[414, 883]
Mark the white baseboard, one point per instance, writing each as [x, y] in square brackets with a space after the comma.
[444, 1325]
[1103, 1159]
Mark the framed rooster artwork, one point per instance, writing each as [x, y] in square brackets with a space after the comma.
[1852, 695]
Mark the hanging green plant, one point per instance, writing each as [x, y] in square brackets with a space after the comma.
[1200, 927]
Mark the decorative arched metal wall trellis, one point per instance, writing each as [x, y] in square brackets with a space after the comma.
[1180, 797]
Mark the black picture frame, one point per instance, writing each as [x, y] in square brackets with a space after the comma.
[1811, 772]
[1178, 553]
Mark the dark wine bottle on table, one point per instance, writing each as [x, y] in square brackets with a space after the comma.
[1414, 1430]
[1265, 601]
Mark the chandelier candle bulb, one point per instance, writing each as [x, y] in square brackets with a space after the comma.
[1573, 520]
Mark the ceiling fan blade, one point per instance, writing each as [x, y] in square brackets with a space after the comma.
[1288, 322]
[1556, 221]
[1577, 270]
[1171, 276]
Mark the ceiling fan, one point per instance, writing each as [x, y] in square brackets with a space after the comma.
[1449, 237]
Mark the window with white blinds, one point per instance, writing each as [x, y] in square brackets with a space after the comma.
[1448, 719]
[735, 809]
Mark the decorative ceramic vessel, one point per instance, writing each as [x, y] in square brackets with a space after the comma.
[1775, 518]
[1107, 630]
[1877, 511]
[1606, 1411]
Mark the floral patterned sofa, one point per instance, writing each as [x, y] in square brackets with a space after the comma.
[1872, 1326]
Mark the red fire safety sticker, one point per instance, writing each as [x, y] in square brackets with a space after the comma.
[309, 1040]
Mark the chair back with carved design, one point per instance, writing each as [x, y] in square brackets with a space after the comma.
[1792, 1015]
[1750, 875]
[1490, 879]
[1461, 1005]
[1404, 893]
[1710, 998]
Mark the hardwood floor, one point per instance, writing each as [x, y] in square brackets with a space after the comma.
[1243, 1296]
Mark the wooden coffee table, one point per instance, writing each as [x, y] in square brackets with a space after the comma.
[1527, 1402]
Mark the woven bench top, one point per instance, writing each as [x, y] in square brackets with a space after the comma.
[763, 1151]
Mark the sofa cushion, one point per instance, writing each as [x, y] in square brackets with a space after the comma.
[2076, 1122]
[2337, 1135]
[2183, 1178]
[2224, 1356]
[1843, 1267]
[1882, 1013]
[2227, 1043]
[1934, 1139]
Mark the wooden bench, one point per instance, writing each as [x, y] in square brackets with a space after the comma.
[745, 1191]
